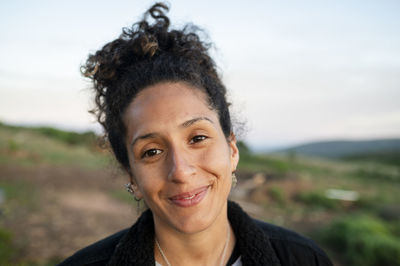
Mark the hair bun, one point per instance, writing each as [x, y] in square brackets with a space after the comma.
[146, 53]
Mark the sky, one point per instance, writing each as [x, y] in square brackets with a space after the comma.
[296, 71]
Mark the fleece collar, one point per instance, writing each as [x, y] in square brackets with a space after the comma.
[137, 245]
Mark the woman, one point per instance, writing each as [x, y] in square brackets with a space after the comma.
[164, 111]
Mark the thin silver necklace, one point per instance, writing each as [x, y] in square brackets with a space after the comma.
[221, 263]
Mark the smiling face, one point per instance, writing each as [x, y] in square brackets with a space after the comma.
[181, 162]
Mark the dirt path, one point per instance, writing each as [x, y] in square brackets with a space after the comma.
[74, 208]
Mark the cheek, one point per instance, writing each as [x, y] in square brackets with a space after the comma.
[150, 179]
[217, 160]
[142, 178]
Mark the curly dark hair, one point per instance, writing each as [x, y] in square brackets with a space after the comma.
[144, 55]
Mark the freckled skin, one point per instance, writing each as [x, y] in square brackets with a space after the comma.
[177, 158]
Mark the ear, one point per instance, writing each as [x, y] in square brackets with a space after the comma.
[135, 187]
[234, 152]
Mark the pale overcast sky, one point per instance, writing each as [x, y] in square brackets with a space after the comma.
[297, 71]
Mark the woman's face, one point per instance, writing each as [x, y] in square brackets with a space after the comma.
[181, 162]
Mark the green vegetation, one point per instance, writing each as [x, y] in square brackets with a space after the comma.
[317, 200]
[263, 163]
[18, 193]
[87, 138]
[277, 194]
[377, 173]
[73, 138]
[298, 193]
[9, 252]
[290, 188]
[348, 149]
[35, 146]
[363, 240]
[390, 157]
[20, 196]
[7, 249]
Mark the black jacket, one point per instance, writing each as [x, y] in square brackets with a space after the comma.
[259, 243]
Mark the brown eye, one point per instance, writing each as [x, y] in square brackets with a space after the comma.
[198, 138]
[151, 152]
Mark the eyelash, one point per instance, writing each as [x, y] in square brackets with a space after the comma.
[154, 152]
[198, 138]
[147, 153]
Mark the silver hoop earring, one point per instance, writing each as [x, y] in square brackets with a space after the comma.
[137, 206]
[234, 179]
[129, 188]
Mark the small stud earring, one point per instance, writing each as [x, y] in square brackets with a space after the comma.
[128, 188]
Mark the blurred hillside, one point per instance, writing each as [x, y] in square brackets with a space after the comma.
[382, 150]
[59, 192]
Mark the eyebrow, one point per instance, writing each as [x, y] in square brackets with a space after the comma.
[185, 124]
[146, 136]
[194, 120]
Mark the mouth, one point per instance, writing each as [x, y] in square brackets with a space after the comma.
[191, 198]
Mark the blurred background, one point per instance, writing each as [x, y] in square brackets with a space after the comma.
[315, 91]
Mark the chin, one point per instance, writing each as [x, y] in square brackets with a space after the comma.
[199, 220]
[191, 225]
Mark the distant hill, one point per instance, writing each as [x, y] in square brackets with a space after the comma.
[88, 138]
[347, 149]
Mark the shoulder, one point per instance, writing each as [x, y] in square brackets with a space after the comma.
[96, 254]
[293, 248]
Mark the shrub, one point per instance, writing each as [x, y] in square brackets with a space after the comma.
[7, 249]
[363, 240]
[13, 146]
[375, 174]
[69, 137]
[317, 200]
[264, 164]
[277, 194]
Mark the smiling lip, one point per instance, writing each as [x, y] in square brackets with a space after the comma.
[189, 199]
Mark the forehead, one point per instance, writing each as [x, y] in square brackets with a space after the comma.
[166, 104]
[169, 90]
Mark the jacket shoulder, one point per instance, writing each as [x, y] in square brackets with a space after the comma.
[293, 248]
[96, 254]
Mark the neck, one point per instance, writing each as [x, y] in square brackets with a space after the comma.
[205, 247]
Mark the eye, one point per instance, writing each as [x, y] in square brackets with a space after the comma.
[198, 138]
[151, 153]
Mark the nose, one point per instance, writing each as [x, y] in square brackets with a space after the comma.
[181, 167]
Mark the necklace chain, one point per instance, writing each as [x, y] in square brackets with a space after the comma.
[222, 256]
[162, 253]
